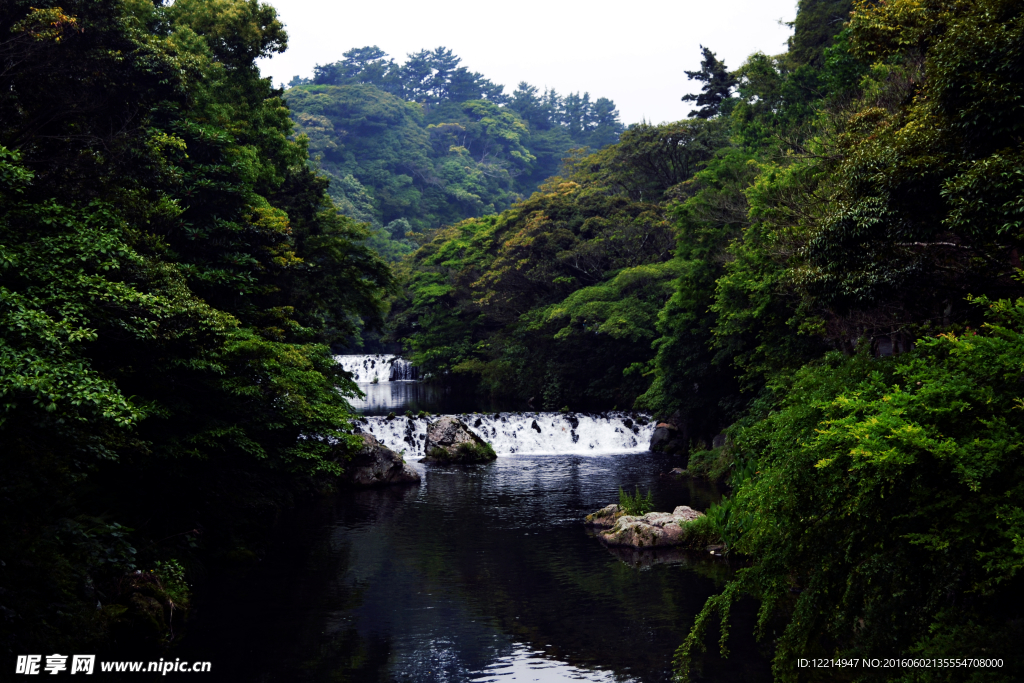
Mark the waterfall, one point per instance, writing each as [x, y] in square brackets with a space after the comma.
[402, 371]
[378, 367]
[518, 433]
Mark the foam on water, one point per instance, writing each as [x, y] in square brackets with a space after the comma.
[366, 368]
[514, 433]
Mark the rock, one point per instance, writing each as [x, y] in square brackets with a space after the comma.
[664, 433]
[671, 436]
[655, 529]
[718, 441]
[375, 465]
[574, 421]
[449, 440]
[606, 516]
[534, 425]
[677, 471]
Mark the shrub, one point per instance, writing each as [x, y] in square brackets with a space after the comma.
[636, 504]
[701, 532]
[475, 451]
[881, 504]
[713, 463]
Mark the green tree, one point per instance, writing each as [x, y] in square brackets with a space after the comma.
[884, 515]
[816, 25]
[509, 304]
[717, 88]
[170, 275]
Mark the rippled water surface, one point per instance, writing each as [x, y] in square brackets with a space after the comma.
[385, 397]
[482, 573]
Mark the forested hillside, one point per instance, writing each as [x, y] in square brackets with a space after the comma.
[514, 302]
[411, 147]
[824, 262]
[171, 275]
[820, 266]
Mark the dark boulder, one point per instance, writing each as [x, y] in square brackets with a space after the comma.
[377, 465]
[671, 436]
[665, 437]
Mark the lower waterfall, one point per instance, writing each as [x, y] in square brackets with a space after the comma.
[518, 433]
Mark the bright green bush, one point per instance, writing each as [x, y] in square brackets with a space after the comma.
[635, 504]
[884, 507]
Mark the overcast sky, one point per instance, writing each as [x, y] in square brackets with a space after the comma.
[631, 52]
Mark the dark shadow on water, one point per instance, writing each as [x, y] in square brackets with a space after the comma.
[480, 573]
[386, 397]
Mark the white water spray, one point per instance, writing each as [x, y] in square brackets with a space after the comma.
[519, 433]
[376, 368]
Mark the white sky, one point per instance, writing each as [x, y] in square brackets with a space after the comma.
[633, 52]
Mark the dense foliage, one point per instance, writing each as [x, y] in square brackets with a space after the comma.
[514, 302]
[823, 262]
[876, 439]
[171, 273]
[412, 147]
[841, 294]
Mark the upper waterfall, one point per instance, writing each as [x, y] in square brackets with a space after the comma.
[377, 368]
[518, 433]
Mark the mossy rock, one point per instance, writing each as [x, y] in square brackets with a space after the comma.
[449, 440]
[463, 453]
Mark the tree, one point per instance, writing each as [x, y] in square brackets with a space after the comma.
[717, 88]
[171, 273]
[816, 25]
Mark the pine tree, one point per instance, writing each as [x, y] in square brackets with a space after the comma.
[718, 85]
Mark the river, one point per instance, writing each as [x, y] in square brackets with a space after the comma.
[480, 573]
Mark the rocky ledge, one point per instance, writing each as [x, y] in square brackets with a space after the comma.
[653, 530]
[450, 441]
[375, 465]
[606, 516]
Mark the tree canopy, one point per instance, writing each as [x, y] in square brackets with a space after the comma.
[171, 275]
[411, 147]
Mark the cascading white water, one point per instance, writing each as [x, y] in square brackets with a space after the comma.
[368, 368]
[515, 433]
[403, 371]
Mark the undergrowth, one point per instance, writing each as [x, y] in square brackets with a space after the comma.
[636, 504]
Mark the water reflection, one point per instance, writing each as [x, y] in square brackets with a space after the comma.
[480, 573]
[400, 396]
[524, 664]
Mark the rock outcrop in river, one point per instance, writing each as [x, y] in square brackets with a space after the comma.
[450, 440]
[670, 436]
[653, 530]
[375, 465]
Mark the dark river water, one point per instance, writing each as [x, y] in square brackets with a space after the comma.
[480, 573]
[385, 397]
